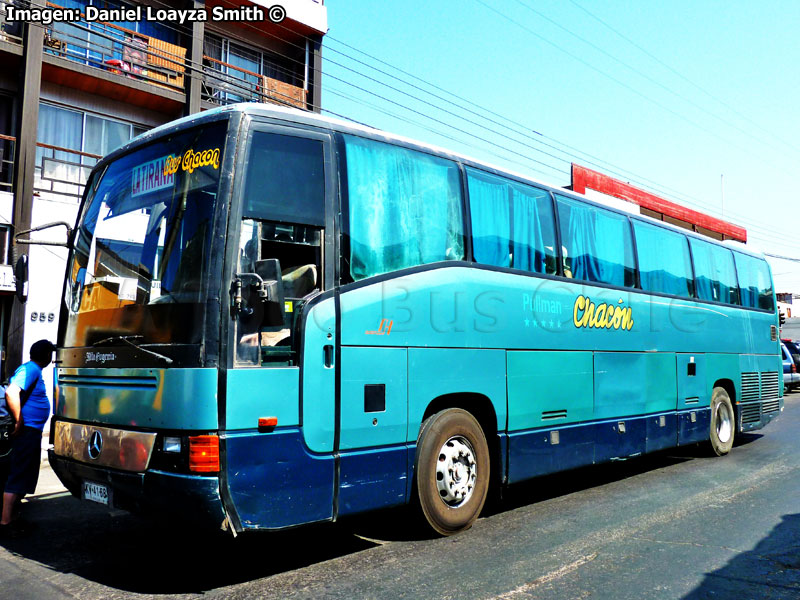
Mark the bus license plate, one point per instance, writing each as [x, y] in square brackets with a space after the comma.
[96, 492]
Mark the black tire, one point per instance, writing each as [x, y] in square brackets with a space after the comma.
[723, 422]
[448, 503]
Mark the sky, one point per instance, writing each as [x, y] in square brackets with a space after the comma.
[695, 101]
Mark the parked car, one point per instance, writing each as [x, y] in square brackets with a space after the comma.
[794, 350]
[791, 378]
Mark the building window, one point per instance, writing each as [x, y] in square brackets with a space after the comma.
[5, 232]
[94, 43]
[65, 139]
[234, 71]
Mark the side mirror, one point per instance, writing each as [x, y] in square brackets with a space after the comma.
[21, 278]
[271, 292]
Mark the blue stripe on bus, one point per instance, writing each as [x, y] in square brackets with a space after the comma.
[373, 479]
[539, 452]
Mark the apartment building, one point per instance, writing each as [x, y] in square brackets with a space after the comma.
[71, 92]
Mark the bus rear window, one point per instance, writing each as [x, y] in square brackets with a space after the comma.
[755, 283]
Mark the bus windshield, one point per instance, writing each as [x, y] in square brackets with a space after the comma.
[142, 246]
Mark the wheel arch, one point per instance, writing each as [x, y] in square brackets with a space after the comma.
[730, 387]
[481, 407]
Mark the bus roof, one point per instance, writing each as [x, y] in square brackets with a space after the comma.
[295, 115]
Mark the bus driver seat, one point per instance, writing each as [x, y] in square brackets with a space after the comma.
[299, 281]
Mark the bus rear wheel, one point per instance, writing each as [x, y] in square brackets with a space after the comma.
[723, 422]
[452, 470]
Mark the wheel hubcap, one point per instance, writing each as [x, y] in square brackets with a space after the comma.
[724, 423]
[456, 471]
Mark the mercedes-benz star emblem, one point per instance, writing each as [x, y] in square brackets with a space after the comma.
[95, 445]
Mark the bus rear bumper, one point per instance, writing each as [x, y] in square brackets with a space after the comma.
[190, 498]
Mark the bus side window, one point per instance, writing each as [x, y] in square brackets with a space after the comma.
[715, 272]
[298, 249]
[566, 263]
[404, 208]
[598, 243]
[512, 223]
[664, 262]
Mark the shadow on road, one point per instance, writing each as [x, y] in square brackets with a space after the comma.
[133, 554]
[771, 570]
[742, 439]
[576, 480]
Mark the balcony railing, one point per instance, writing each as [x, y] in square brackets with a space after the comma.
[7, 147]
[118, 50]
[62, 171]
[9, 31]
[224, 83]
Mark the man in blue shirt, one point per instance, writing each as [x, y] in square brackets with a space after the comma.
[26, 400]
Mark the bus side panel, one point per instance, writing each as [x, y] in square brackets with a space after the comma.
[771, 363]
[434, 372]
[547, 389]
[319, 379]
[634, 383]
[256, 393]
[693, 425]
[725, 366]
[693, 391]
[543, 451]
[694, 398]
[374, 417]
[275, 481]
[373, 479]
[694, 420]
[374, 396]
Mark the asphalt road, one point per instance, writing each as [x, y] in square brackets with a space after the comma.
[679, 524]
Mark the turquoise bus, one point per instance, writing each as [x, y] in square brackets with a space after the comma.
[273, 318]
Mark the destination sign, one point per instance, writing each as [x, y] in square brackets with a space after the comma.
[150, 177]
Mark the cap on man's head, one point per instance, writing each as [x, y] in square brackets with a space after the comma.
[42, 351]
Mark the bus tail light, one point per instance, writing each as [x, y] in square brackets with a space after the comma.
[204, 453]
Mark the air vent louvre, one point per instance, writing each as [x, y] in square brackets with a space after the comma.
[549, 415]
[749, 386]
[770, 388]
[751, 413]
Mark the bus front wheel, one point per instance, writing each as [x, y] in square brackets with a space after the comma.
[723, 422]
[452, 470]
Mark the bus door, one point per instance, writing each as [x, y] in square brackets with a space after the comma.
[280, 393]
